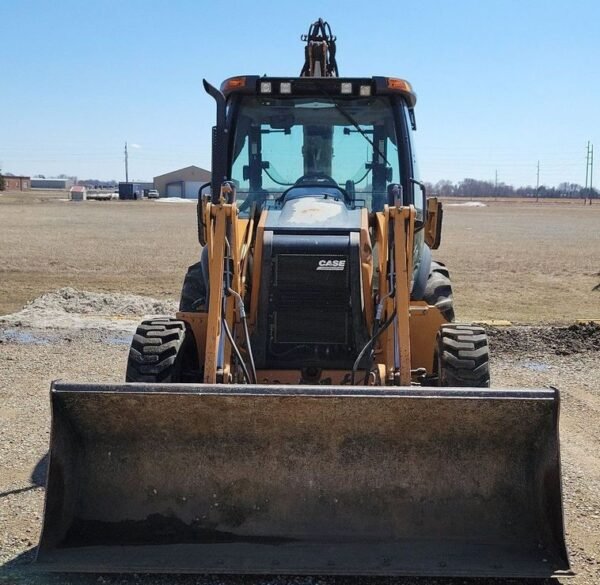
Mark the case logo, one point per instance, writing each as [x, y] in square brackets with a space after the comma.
[331, 265]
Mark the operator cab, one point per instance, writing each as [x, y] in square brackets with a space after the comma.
[313, 156]
[343, 138]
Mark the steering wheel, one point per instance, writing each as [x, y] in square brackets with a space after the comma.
[317, 179]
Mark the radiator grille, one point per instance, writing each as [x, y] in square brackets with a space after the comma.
[310, 305]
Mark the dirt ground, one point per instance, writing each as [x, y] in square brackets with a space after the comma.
[524, 262]
[47, 243]
[531, 264]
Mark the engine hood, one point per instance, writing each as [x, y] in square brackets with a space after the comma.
[314, 212]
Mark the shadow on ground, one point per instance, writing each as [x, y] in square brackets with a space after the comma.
[37, 479]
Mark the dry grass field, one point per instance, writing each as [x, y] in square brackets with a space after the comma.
[48, 243]
[525, 262]
[520, 261]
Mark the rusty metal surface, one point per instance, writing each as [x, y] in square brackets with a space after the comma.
[300, 479]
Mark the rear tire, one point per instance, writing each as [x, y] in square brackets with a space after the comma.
[463, 357]
[193, 292]
[438, 290]
[162, 350]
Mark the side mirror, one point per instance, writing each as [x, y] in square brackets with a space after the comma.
[421, 204]
[204, 197]
[205, 191]
[433, 224]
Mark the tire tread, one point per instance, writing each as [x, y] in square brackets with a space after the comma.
[463, 356]
[154, 350]
[438, 291]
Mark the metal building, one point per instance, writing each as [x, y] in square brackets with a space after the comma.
[182, 183]
[39, 183]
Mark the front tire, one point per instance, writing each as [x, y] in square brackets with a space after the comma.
[162, 350]
[463, 356]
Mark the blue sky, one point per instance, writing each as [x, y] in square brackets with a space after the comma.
[500, 83]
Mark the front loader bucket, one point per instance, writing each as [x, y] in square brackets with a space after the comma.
[304, 480]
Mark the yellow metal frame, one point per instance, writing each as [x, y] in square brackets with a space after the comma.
[407, 345]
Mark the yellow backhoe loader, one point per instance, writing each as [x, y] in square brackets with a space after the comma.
[312, 408]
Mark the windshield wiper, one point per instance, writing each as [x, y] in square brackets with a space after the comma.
[274, 179]
[357, 127]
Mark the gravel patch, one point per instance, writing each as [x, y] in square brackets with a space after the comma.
[576, 338]
[30, 357]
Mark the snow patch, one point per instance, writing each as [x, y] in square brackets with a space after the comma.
[466, 204]
[175, 200]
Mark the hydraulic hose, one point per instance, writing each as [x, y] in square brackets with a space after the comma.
[369, 344]
[236, 350]
[229, 291]
[246, 332]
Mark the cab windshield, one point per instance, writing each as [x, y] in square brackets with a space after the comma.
[344, 145]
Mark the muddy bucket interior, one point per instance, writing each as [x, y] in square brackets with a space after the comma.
[304, 480]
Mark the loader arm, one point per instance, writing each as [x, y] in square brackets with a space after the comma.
[228, 241]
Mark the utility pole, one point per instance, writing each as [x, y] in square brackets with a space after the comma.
[126, 164]
[591, 173]
[587, 166]
[496, 184]
[537, 186]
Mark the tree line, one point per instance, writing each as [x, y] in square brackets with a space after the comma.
[477, 188]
